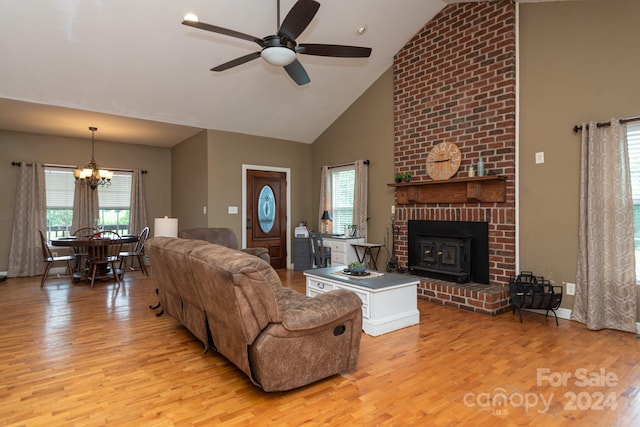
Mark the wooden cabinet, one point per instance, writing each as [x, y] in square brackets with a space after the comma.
[457, 190]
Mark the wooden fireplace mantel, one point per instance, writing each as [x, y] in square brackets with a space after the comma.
[456, 190]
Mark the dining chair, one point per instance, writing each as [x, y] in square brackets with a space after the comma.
[137, 252]
[49, 259]
[321, 254]
[80, 251]
[84, 232]
[102, 256]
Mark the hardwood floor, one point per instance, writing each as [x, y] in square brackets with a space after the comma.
[71, 355]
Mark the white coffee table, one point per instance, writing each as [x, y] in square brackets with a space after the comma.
[389, 300]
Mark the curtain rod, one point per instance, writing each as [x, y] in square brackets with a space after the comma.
[578, 128]
[51, 165]
[366, 162]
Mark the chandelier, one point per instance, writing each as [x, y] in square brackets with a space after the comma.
[91, 174]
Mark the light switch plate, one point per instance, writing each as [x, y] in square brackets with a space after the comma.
[540, 157]
[233, 210]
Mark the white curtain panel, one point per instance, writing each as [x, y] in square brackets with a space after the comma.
[85, 207]
[138, 219]
[325, 197]
[606, 280]
[360, 197]
[29, 218]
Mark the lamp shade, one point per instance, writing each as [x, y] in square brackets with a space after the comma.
[165, 227]
[326, 216]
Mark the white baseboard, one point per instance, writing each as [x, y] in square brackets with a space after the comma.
[562, 313]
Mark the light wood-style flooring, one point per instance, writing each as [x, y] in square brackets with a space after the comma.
[71, 355]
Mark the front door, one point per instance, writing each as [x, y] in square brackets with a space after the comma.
[267, 214]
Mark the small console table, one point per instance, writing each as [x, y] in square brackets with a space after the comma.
[389, 300]
[373, 249]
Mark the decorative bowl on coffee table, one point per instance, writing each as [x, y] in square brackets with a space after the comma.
[357, 268]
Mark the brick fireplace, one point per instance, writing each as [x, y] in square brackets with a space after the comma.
[455, 82]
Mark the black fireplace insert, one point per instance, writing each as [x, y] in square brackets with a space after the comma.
[456, 251]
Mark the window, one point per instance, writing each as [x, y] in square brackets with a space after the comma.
[633, 141]
[114, 202]
[59, 186]
[343, 188]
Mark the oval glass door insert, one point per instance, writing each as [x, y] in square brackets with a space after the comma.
[266, 209]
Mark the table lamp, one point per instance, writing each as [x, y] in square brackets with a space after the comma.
[166, 227]
[326, 217]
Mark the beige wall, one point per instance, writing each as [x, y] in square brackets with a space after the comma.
[189, 182]
[579, 61]
[227, 152]
[17, 146]
[364, 131]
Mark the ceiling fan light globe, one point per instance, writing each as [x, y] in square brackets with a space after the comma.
[191, 17]
[278, 55]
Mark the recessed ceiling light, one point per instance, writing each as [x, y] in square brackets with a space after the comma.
[191, 17]
[361, 29]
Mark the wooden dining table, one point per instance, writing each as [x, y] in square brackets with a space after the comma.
[83, 242]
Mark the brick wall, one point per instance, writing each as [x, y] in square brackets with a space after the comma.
[455, 81]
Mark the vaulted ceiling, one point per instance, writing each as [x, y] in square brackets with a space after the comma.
[131, 69]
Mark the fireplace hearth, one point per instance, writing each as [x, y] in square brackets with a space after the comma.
[455, 251]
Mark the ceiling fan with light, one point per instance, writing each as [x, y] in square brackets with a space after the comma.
[281, 49]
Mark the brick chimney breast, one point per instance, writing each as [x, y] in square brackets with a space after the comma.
[455, 81]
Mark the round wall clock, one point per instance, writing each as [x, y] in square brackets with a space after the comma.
[443, 161]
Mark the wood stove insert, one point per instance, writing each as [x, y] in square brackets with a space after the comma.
[456, 251]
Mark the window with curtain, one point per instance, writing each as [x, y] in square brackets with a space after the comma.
[633, 141]
[59, 194]
[343, 189]
[114, 202]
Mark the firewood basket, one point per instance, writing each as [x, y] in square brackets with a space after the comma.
[528, 291]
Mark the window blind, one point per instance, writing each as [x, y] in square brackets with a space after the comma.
[343, 185]
[118, 194]
[60, 185]
[633, 142]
